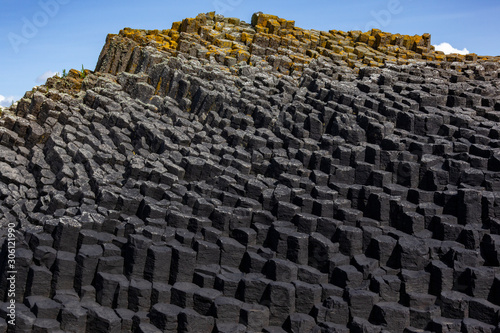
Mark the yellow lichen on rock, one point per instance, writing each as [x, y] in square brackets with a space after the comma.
[72, 83]
[230, 41]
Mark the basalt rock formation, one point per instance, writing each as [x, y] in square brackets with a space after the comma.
[223, 176]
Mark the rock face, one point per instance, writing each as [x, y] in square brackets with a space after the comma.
[221, 176]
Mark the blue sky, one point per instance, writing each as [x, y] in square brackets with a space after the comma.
[42, 37]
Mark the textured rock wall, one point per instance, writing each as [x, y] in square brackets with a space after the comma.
[221, 176]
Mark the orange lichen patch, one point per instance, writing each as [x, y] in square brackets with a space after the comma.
[349, 49]
[261, 29]
[378, 58]
[212, 48]
[241, 55]
[213, 35]
[381, 38]
[233, 20]
[360, 51]
[455, 57]
[237, 46]
[439, 57]
[288, 24]
[363, 38]
[322, 41]
[354, 34]
[352, 56]
[204, 31]
[322, 51]
[297, 34]
[274, 41]
[246, 37]
[274, 26]
[71, 84]
[312, 54]
[174, 35]
[163, 40]
[298, 59]
[334, 46]
[219, 26]
[285, 42]
[229, 41]
[351, 63]
[224, 43]
[210, 15]
[407, 42]
[176, 25]
[261, 19]
[417, 40]
[314, 41]
[427, 38]
[471, 57]
[232, 36]
[158, 87]
[428, 56]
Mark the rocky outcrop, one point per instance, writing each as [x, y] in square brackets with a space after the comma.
[221, 176]
[268, 40]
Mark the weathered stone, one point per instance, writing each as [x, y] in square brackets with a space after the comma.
[231, 177]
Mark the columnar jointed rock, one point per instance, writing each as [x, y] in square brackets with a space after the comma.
[221, 176]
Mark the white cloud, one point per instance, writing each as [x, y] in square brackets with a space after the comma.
[447, 49]
[42, 78]
[7, 101]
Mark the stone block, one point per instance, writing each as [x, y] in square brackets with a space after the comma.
[254, 316]
[102, 319]
[253, 288]
[112, 290]
[231, 251]
[321, 250]
[392, 316]
[139, 295]
[206, 252]
[281, 270]
[191, 321]
[183, 264]
[346, 276]
[226, 309]
[203, 300]
[182, 294]
[157, 266]
[300, 323]
[306, 296]
[165, 316]
[281, 302]
[333, 309]
[361, 302]
[350, 240]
